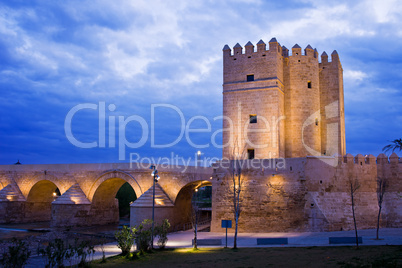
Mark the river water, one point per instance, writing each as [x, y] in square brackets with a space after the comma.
[22, 230]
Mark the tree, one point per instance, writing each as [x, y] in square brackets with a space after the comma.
[235, 173]
[381, 188]
[354, 186]
[191, 194]
[195, 216]
[394, 145]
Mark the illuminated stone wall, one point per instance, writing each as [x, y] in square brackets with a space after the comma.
[293, 194]
[298, 102]
[309, 194]
[87, 191]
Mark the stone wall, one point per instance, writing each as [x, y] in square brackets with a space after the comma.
[296, 194]
[87, 190]
[309, 194]
[68, 215]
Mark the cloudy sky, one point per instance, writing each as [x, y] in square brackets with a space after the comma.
[71, 69]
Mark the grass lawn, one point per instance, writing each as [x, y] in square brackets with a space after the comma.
[366, 256]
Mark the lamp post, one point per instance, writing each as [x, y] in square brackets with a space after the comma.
[156, 177]
[198, 158]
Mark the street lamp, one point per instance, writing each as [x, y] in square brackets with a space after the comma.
[198, 158]
[156, 177]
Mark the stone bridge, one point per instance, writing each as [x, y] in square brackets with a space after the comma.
[27, 192]
[292, 194]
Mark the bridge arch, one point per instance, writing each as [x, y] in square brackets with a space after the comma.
[27, 188]
[38, 205]
[183, 201]
[114, 180]
[102, 194]
[42, 191]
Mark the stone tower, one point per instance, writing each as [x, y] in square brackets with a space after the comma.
[281, 105]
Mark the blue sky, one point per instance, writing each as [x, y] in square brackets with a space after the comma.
[55, 55]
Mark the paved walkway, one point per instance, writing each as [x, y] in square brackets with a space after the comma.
[389, 236]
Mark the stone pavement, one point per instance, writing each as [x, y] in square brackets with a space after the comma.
[388, 236]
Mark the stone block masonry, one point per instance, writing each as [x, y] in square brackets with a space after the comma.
[296, 102]
[28, 192]
[309, 194]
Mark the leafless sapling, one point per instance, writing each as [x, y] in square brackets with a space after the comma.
[235, 173]
[354, 186]
[381, 188]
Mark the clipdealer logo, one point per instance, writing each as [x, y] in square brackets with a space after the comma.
[112, 129]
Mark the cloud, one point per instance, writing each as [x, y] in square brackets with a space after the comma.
[54, 55]
[356, 76]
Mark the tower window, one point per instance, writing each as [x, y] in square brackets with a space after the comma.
[316, 122]
[250, 153]
[253, 118]
[309, 84]
[250, 77]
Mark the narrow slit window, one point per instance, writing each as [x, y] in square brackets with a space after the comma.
[309, 84]
[250, 77]
[253, 118]
[250, 153]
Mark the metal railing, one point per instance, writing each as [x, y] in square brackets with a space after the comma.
[202, 224]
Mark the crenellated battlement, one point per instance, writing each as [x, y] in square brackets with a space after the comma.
[370, 159]
[249, 51]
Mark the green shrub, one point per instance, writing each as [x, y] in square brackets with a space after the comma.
[125, 239]
[17, 255]
[161, 232]
[144, 236]
[84, 250]
[56, 252]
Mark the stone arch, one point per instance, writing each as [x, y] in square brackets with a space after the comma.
[42, 191]
[191, 186]
[183, 199]
[173, 182]
[104, 205]
[115, 177]
[29, 183]
[38, 205]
